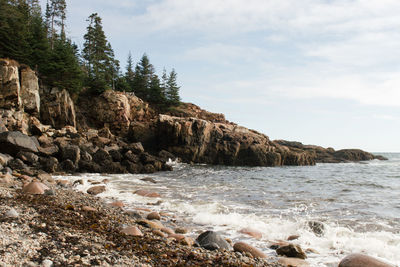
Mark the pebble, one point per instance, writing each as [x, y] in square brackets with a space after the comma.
[153, 216]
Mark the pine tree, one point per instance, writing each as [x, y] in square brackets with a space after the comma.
[99, 59]
[144, 71]
[172, 89]
[129, 74]
[55, 16]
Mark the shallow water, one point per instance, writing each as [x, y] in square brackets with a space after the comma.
[358, 203]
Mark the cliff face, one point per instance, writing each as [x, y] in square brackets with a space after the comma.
[201, 141]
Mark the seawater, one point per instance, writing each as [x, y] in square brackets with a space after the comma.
[358, 203]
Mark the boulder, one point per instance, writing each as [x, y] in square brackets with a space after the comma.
[244, 247]
[95, 190]
[13, 142]
[317, 227]
[35, 188]
[4, 159]
[30, 91]
[146, 193]
[10, 90]
[17, 164]
[151, 224]
[49, 164]
[71, 152]
[212, 241]
[57, 108]
[361, 260]
[291, 251]
[28, 157]
[101, 156]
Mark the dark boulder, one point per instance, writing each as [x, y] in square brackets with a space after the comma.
[89, 166]
[13, 142]
[68, 166]
[17, 164]
[101, 156]
[49, 164]
[132, 167]
[317, 227]
[291, 251]
[116, 155]
[71, 152]
[129, 155]
[211, 241]
[28, 157]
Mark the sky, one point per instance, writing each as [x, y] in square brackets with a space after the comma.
[323, 72]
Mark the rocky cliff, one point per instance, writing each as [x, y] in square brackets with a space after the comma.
[42, 129]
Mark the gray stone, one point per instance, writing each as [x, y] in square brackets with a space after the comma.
[13, 142]
[11, 213]
[211, 241]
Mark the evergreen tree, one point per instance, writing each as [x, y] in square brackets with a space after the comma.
[172, 89]
[99, 59]
[55, 16]
[130, 74]
[144, 72]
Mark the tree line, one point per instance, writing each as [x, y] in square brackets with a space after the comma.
[40, 41]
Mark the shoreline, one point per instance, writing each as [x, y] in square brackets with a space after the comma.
[58, 229]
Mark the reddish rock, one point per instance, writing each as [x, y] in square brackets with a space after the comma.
[63, 183]
[188, 241]
[243, 248]
[181, 230]
[146, 193]
[177, 237]
[118, 204]
[35, 188]
[251, 232]
[95, 190]
[361, 260]
[132, 230]
[159, 233]
[153, 216]
[151, 224]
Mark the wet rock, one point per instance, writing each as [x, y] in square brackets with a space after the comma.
[35, 188]
[89, 166]
[153, 216]
[95, 190]
[317, 227]
[13, 142]
[246, 248]
[211, 241]
[63, 183]
[293, 237]
[11, 213]
[149, 179]
[291, 251]
[132, 167]
[165, 155]
[134, 214]
[49, 150]
[129, 155]
[167, 230]
[251, 232]
[116, 155]
[146, 193]
[132, 230]
[293, 262]
[4, 159]
[159, 233]
[148, 168]
[361, 260]
[117, 204]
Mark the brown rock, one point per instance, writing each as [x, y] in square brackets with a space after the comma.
[361, 260]
[146, 193]
[35, 188]
[181, 230]
[153, 216]
[6, 179]
[45, 177]
[167, 230]
[96, 189]
[118, 204]
[293, 262]
[10, 90]
[30, 91]
[251, 232]
[291, 251]
[151, 224]
[188, 241]
[293, 237]
[243, 248]
[63, 183]
[177, 237]
[159, 233]
[132, 230]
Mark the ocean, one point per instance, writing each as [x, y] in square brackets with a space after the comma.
[357, 203]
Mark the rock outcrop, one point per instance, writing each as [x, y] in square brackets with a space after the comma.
[57, 108]
[329, 155]
[30, 91]
[201, 141]
[10, 90]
